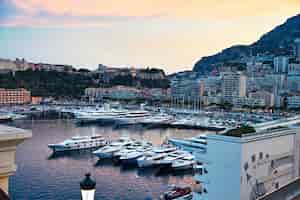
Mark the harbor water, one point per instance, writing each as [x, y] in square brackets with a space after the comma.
[43, 176]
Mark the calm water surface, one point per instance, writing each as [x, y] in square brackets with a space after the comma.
[42, 176]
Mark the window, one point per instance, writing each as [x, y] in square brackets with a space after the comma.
[246, 166]
[267, 156]
[261, 155]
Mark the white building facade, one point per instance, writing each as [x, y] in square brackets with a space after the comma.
[247, 167]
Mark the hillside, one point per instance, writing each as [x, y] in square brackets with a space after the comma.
[277, 41]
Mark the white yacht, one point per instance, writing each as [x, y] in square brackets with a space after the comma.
[170, 158]
[164, 149]
[149, 159]
[158, 119]
[100, 115]
[133, 117]
[131, 158]
[194, 142]
[79, 142]
[109, 150]
[182, 164]
[140, 149]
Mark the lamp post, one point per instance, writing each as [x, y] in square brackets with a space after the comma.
[88, 188]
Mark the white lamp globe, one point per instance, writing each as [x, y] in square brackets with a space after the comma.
[88, 188]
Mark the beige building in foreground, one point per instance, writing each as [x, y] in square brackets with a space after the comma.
[10, 137]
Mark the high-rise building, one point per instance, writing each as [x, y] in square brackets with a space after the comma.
[186, 88]
[233, 85]
[281, 64]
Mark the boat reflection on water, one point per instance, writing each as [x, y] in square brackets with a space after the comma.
[82, 154]
[105, 162]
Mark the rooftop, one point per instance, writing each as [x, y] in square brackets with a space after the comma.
[239, 132]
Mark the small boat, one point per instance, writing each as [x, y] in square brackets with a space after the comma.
[150, 159]
[109, 150]
[131, 158]
[178, 193]
[164, 149]
[182, 164]
[79, 142]
[5, 118]
[167, 161]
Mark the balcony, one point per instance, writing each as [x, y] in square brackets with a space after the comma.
[9, 139]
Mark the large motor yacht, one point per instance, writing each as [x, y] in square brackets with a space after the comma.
[133, 117]
[198, 142]
[79, 142]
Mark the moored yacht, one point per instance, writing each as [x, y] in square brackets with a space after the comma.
[158, 119]
[184, 163]
[194, 142]
[79, 142]
[149, 159]
[109, 150]
[132, 117]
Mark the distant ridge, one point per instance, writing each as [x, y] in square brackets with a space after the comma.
[277, 41]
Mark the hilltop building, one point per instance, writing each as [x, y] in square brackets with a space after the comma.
[108, 73]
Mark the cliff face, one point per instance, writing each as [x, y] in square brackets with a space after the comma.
[277, 41]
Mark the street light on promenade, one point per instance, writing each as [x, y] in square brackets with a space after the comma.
[88, 188]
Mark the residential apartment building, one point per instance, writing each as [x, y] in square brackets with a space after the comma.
[297, 45]
[281, 64]
[187, 88]
[233, 85]
[14, 96]
[293, 102]
[267, 97]
[294, 69]
[116, 92]
[248, 101]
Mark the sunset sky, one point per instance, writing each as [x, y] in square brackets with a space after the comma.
[171, 34]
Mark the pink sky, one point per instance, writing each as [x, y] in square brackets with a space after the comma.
[173, 34]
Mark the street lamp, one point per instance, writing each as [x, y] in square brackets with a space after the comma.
[88, 188]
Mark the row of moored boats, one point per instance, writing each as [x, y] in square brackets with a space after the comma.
[130, 152]
[121, 117]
